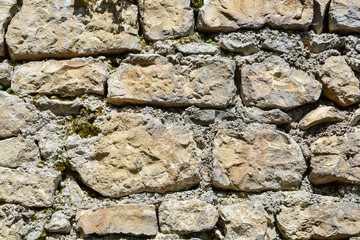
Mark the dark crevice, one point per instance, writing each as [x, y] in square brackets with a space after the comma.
[326, 18]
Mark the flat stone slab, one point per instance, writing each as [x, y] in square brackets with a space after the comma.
[322, 114]
[344, 16]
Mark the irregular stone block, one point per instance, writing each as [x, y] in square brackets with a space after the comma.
[321, 8]
[322, 114]
[66, 77]
[231, 45]
[66, 29]
[187, 216]
[6, 71]
[7, 9]
[257, 159]
[281, 46]
[355, 118]
[58, 106]
[166, 19]
[134, 219]
[336, 158]
[246, 220]
[344, 16]
[138, 153]
[152, 79]
[274, 116]
[31, 189]
[198, 48]
[274, 84]
[15, 114]
[59, 222]
[339, 82]
[325, 41]
[231, 15]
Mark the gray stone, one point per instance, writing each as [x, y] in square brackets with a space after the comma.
[59, 222]
[321, 8]
[6, 71]
[322, 42]
[7, 9]
[203, 117]
[274, 116]
[344, 16]
[244, 48]
[280, 46]
[198, 48]
[58, 106]
[355, 118]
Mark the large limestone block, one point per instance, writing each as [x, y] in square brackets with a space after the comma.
[322, 114]
[344, 16]
[65, 77]
[246, 220]
[7, 9]
[138, 153]
[187, 216]
[274, 84]
[231, 15]
[15, 114]
[339, 82]
[257, 159]
[166, 18]
[152, 79]
[31, 189]
[63, 29]
[336, 158]
[134, 219]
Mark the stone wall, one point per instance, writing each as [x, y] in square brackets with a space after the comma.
[149, 119]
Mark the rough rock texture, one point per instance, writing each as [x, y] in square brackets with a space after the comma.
[274, 116]
[134, 219]
[152, 79]
[15, 114]
[166, 19]
[231, 45]
[59, 222]
[256, 159]
[138, 153]
[6, 71]
[7, 10]
[187, 216]
[59, 29]
[320, 9]
[336, 158]
[198, 48]
[231, 15]
[67, 77]
[355, 118]
[322, 114]
[339, 82]
[274, 84]
[323, 42]
[344, 16]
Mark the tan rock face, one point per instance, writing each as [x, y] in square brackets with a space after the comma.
[274, 84]
[257, 159]
[31, 189]
[246, 220]
[151, 79]
[14, 115]
[7, 9]
[344, 16]
[59, 29]
[231, 15]
[138, 153]
[336, 158]
[187, 216]
[166, 19]
[321, 115]
[67, 77]
[339, 82]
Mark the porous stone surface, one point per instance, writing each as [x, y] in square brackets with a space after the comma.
[134, 219]
[322, 114]
[231, 45]
[187, 216]
[274, 116]
[59, 222]
[7, 10]
[344, 16]
[322, 42]
[198, 48]
[6, 71]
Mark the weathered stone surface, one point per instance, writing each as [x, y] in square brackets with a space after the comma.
[138, 153]
[44, 29]
[324, 220]
[203, 117]
[198, 48]
[282, 45]
[31, 189]
[187, 216]
[257, 159]
[322, 114]
[339, 82]
[246, 220]
[7, 9]
[166, 19]
[65, 77]
[274, 116]
[134, 219]
[274, 84]
[231, 15]
[58, 106]
[152, 79]
[14, 115]
[320, 9]
[344, 16]
[6, 71]
[231, 45]
[355, 118]
[59, 222]
[325, 41]
[336, 158]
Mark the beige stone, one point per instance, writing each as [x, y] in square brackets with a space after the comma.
[15, 114]
[65, 77]
[134, 219]
[258, 158]
[31, 189]
[344, 16]
[322, 114]
[336, 158]
[231, 15]
[187, 216]
[242, 221]
[152, 79]
[198, 48]
[7, 9]
[6, 71]
[166, 18]
[138, 153]
[63, 29]
[355, 117]
[274, 84]
[320, 10]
